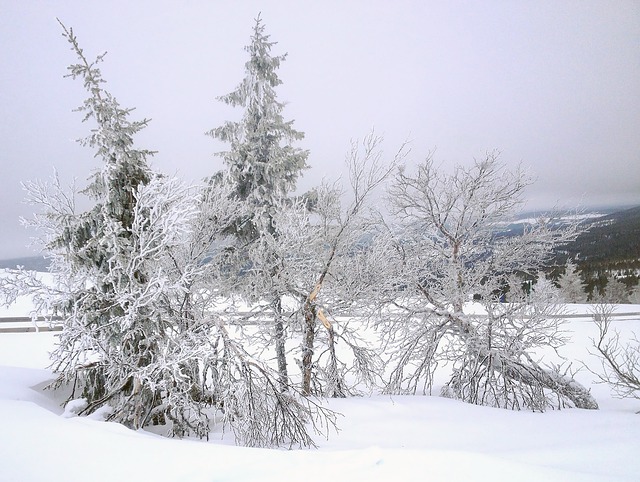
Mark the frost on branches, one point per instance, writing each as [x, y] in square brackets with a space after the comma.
[447, 245]
[620, 358]
[333, 283]
[262, 165]
[134, 282]
[121, 342]
[322, 248]
[261, 161]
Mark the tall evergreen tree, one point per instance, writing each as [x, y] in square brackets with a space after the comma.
[119, 346]
[101, 236]
[263, 164]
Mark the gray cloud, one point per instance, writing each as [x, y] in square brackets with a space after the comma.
[553, 85]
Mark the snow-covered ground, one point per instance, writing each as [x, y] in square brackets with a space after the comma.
[380, 438]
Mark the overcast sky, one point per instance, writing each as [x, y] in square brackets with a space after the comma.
[554, 85]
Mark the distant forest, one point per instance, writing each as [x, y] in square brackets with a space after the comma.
[610, 247]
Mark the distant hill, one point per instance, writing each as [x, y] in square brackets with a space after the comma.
[612, 235]
[611, 241]
[610, 248]
[35, 263]
[516, 226]
[611, 238]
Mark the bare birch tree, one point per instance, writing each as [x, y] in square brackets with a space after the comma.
[450, 253]
[320, 246]
[342, 243]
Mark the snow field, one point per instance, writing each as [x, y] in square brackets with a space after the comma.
[380, 437]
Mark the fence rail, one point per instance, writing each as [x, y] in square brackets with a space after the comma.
[25, 324]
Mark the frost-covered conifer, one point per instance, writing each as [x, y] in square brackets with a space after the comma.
[125, 344]
[615, 291]
[544, 292]
[634, 297]
[263, 164]
[571, 285]
[119, 346]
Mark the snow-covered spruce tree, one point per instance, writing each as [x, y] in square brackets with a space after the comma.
[634, 297]
[571, 285]
[121, 347]
[263, 165]
[544, 292]
[450, 253]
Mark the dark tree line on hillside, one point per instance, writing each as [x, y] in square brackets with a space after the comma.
[609, 249]
[614, 238]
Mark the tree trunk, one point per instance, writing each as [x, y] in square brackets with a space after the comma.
[533, 374]
[307, 347]
[281, 351]
[334, 376]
